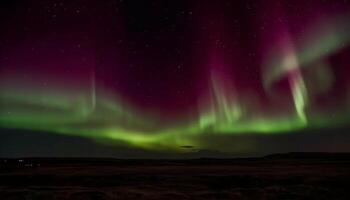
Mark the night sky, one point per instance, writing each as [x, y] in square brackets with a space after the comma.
[131, 78]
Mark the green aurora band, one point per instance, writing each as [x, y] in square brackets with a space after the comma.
[105, 118]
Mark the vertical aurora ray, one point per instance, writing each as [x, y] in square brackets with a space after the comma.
[283, 63]
[299, 94]
[222, 109]
[291, 66]
[314, 46]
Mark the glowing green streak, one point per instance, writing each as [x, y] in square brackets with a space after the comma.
[299, 96]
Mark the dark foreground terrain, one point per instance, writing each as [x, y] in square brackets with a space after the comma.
[283, 176]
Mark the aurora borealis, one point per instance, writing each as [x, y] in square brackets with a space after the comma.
[163, 75]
